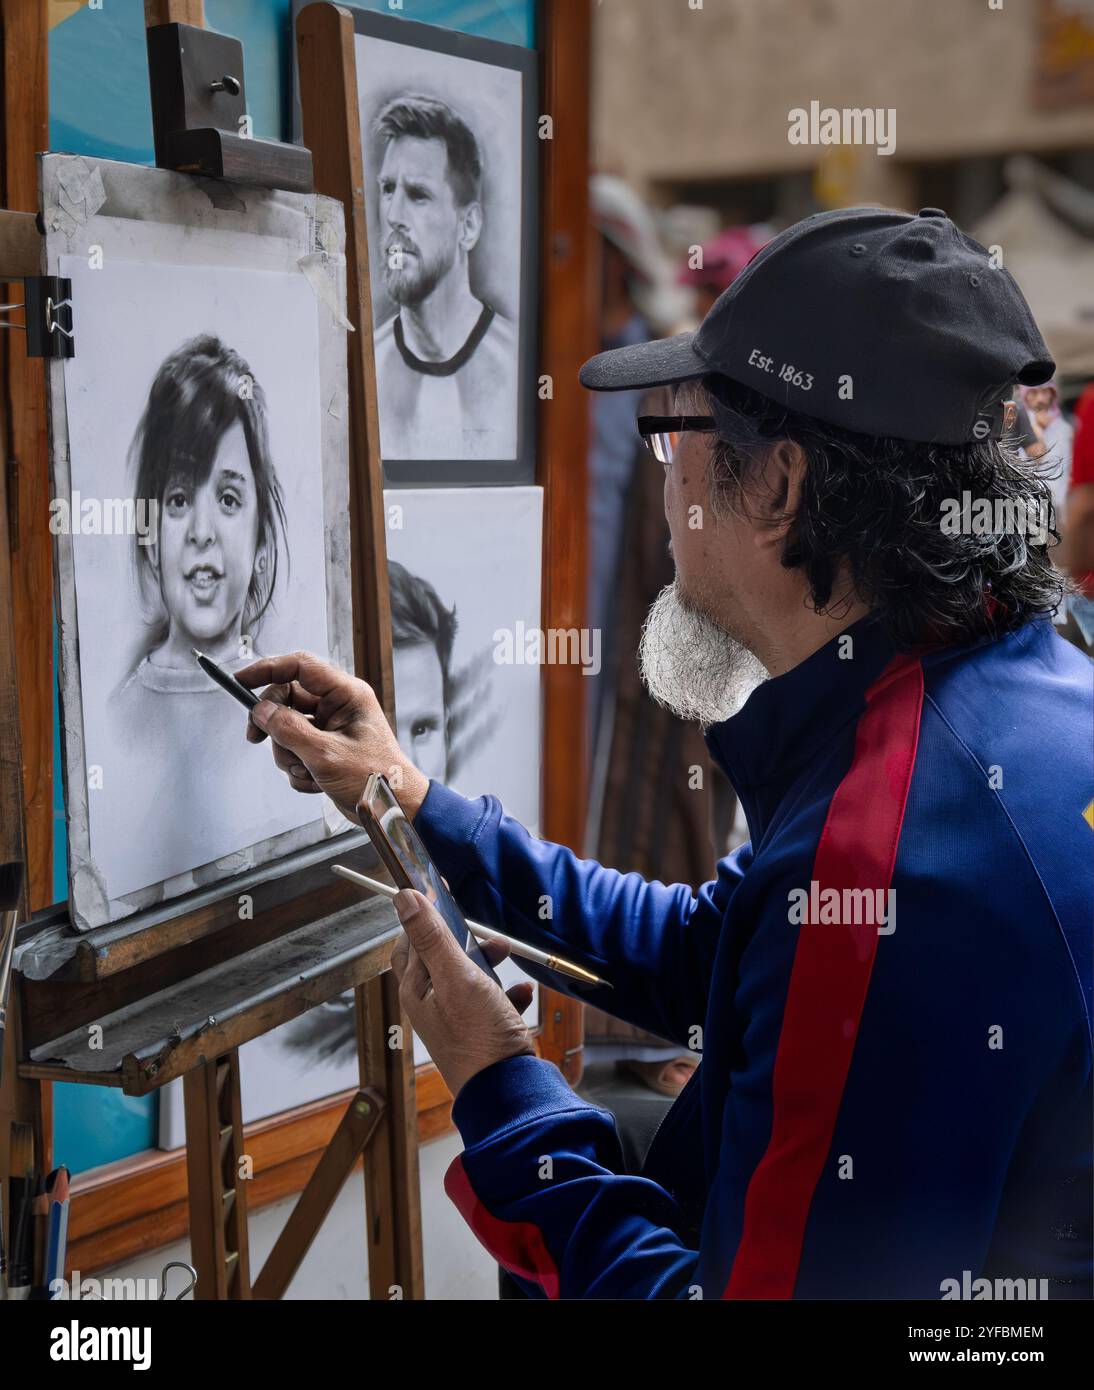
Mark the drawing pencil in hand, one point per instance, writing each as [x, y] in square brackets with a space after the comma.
[225, 680]
[228, 682]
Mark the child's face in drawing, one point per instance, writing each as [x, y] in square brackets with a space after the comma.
[419, 682]
[208, 537]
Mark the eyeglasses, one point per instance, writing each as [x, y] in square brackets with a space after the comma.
[661, 433]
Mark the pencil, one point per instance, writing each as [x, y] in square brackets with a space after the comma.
[225, 680]
[58, 1187]
[518, 948]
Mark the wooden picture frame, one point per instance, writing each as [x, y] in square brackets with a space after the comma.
[438, 47]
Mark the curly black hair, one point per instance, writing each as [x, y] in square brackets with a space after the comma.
[878, 504]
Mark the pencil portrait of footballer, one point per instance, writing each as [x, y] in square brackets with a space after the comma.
[448, 190]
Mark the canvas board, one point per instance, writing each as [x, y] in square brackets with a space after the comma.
[199, 442]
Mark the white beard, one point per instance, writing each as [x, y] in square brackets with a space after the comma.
[691, 665]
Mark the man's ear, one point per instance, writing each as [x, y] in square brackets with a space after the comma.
[778, 493]
[470, 226]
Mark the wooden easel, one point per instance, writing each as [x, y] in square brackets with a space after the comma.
[567, 294]
[141, 980]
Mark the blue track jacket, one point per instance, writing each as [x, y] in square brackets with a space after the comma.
[890, 984]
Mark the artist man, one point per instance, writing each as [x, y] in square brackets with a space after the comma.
[446, 362]
[890, 983]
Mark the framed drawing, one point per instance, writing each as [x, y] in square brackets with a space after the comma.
[450, 147]
[199, 454]
[464, 579]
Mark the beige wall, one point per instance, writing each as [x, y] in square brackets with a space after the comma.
[682, 93]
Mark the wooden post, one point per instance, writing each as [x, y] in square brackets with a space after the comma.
[20, 1101]
[174, 12]
[217, 1192]
[20, 245]
[26, 131]
[26, 563]
[328, 101]
[569, 299]
[393, 1208]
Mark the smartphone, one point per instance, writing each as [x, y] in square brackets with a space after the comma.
[407, 861]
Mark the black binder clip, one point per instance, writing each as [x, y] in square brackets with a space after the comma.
[47, 300]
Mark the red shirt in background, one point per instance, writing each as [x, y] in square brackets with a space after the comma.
[1082, 464]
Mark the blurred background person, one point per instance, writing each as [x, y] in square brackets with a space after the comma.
[1052, 430]
[712, 267]
[1077, 548]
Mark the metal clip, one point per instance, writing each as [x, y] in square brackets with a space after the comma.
[177, 1264]
[49, 316]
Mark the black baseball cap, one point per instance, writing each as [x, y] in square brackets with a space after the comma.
[884, 323]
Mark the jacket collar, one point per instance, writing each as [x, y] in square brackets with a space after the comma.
[789, 719]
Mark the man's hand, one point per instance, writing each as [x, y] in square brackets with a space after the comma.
[465, 1021]
[328, 731]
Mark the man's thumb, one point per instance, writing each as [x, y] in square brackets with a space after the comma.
[427, 929]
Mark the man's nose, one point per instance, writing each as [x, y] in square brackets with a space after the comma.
[396, 209]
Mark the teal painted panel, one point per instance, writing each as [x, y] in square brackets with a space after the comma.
[265, 30]
[98, 68]
[97, 1124]
[98, 74]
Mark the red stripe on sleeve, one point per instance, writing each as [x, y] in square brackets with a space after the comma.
[516, 1245]
[828, 983]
